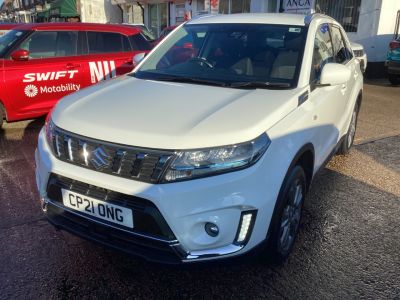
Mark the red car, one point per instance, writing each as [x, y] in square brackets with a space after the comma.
[4, 28]
[41, 63]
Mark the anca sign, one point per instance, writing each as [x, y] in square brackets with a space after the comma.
[298, 6]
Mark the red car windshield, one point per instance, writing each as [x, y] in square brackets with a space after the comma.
[10, 39]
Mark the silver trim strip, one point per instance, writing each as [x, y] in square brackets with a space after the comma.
[201, 254]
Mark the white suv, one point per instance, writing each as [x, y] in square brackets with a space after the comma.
[208, 148]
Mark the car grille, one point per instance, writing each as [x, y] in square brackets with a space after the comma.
[148, 220]
[358, 53]
[140, 164]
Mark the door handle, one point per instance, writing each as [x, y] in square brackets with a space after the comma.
[129, 62]
[72, 66]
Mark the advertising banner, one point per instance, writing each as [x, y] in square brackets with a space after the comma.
[298, 6]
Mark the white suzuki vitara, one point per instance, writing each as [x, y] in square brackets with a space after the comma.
[208, 148]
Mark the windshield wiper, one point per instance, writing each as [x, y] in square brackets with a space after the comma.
[260, 84]
[191, 80]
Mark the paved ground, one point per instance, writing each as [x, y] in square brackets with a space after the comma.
[348, 246]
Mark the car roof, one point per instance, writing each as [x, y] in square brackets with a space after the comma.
[8, 25]
[258, 18]
[127, 30]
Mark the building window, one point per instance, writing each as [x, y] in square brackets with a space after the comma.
[234, 6]
[346, 12]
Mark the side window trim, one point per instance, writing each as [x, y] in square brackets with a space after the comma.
[331, 26]
[83, 46]
[313, 83]
[347, 44]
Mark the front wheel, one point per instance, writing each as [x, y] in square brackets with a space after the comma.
[394, 79]
[348, 140]
[287, 215]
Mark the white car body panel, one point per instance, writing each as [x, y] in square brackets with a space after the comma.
[192, 116]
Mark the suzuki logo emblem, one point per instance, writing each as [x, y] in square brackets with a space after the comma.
[100, 159]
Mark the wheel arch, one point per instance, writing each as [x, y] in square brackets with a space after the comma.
[359, 99]
[305, 157]
[3, 106]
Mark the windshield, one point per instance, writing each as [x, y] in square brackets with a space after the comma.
[235, 55]
[9, 39]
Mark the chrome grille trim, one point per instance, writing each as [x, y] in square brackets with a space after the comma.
[146, 165]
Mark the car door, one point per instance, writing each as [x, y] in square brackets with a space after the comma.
[325, 100]
[344, 56]
[46, 76]
[109, 55]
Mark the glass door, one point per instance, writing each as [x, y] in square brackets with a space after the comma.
[158, 17]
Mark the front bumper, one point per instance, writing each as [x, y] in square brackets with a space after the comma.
[185, 207]
[393, 67]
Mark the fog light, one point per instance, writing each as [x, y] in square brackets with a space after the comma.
[246, 224]
[211, 229]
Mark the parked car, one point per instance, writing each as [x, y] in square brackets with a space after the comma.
[393, 56]
[41, 63]
[359, 52]
[209, 157]
[167, 30]
[6, 27]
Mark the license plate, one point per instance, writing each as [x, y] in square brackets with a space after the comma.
[97, 208]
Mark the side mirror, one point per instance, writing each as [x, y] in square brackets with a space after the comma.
[334, 74]
[20, 55]
[137, 58]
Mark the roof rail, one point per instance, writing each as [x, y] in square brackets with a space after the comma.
[308, 18]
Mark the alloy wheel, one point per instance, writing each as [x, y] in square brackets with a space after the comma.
[291, 215]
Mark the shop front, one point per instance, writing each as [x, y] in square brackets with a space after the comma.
[63, 10]
[159, 14]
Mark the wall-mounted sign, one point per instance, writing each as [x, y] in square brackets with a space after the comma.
[214, 6]
[298, 6]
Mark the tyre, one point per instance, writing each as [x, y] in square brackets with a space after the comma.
[348, 140]
[287, 215]
[2, 115]
[394, 79]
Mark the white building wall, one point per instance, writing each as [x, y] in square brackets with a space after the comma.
[100, 11]
[376, 27]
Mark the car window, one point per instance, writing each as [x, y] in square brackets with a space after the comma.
[323, 52]
[126, 44]
[228, 53]
[46, 44]
[347, 45]
[10, 39]
[139, 42]
[105, 42]
[342, 54]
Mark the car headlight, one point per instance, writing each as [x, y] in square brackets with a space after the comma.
[211, 161]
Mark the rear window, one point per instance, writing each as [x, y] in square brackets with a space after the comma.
[107, 42]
